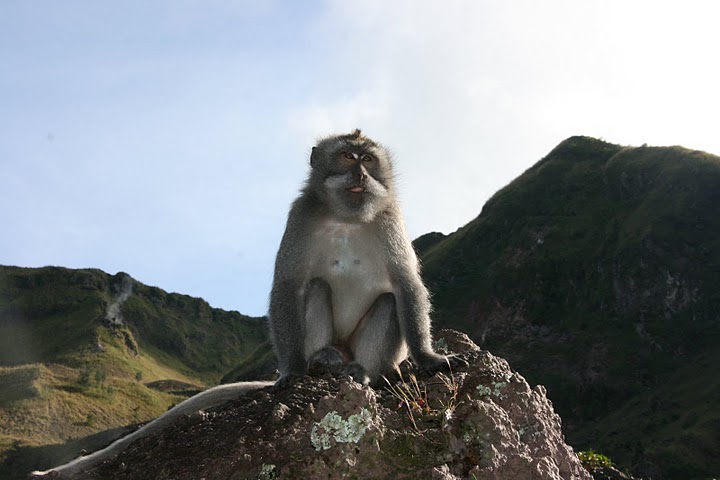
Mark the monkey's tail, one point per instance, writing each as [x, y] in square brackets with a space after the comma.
[208, 398]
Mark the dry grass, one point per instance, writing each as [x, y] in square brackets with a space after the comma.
[44, 404]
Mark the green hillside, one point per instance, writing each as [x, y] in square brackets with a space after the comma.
[597, 274]
[82, 351]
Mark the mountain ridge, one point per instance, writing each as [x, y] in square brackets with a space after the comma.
[595, 274]
[83, 351]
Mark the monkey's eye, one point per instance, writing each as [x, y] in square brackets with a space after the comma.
[367, 158]
[348, 155]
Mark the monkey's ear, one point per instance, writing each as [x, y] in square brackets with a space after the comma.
[313, 157]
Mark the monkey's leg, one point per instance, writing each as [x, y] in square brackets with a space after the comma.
[377, 345]
[322, 357]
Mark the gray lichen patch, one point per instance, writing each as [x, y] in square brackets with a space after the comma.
[440, 345]
[333, 426]
[495, 389]
[267, 472]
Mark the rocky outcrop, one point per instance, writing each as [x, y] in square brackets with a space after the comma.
[482, 421]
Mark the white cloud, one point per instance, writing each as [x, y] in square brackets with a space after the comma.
[470, 93]
[342, 115]
[181, 130]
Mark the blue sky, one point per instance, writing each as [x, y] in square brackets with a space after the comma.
[166, 139]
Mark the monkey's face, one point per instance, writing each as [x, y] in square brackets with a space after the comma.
[353, 174]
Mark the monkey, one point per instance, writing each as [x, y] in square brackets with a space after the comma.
[347, 296]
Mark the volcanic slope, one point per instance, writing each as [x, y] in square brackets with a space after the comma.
[597, 274]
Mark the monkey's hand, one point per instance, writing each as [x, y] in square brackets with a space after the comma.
[462, 360]
[432, 363]
[287, 380]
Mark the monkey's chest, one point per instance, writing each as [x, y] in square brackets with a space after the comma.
[352, 262]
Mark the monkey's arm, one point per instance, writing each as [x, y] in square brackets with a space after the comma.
[413, 308]
[286, 330]
[286, 310]
[413, 311]
[412, 297]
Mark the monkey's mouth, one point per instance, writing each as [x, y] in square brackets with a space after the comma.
[357, 189]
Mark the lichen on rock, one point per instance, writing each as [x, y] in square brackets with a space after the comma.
[333, 426]
[267, 472]
[494, 390]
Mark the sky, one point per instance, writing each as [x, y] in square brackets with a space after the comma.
[166, 139]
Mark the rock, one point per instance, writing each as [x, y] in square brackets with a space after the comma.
[481, 421]
[610, 473]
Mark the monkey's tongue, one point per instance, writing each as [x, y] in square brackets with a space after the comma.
[357, 189]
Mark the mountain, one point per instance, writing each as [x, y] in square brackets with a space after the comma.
[596, 273]
[83, 351]
[49, 314]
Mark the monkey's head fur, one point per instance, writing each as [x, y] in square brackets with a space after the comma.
[352, 175]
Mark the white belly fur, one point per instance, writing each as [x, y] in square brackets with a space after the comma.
[349, 258]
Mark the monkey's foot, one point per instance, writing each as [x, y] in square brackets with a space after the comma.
[357, 372]
[328, 360]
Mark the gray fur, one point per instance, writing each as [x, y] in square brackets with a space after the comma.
[346, 275]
